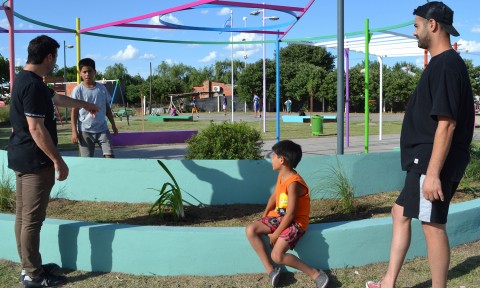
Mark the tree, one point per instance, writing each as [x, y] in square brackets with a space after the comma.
[4, 70]
[71, 73]
[117, 72]
[400, 82]
[299, 53]
[300, 65]
[306, 82]
[474, 73]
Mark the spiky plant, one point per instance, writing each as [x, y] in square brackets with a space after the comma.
[170, 198]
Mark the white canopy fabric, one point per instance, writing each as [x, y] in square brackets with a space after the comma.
[386, 44]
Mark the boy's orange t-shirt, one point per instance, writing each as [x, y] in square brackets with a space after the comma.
[303, 203]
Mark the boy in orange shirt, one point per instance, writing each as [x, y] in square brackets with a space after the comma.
[285, 219]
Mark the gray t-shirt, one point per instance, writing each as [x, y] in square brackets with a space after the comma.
[99, 96]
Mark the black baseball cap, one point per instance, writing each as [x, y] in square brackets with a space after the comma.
[439, 12]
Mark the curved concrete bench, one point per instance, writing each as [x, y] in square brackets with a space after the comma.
[166, 250]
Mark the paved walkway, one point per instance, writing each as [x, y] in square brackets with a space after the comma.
[310, 146]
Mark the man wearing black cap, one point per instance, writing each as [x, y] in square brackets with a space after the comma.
[433, 153]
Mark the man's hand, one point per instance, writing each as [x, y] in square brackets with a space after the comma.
[92, 108]
[432, 188]
[62, 170]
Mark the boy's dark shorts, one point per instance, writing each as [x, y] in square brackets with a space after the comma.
[291, 234]
[416, 206]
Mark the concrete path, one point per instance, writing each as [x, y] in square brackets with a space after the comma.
[310, 146]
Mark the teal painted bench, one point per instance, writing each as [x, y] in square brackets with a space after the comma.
[123, 113]
[166, 118]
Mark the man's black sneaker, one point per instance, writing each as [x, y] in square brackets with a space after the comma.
[45, 280]
[49, 268]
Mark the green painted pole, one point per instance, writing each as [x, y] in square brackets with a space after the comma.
[367, 41]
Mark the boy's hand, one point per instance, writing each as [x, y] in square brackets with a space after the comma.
[273, 239]
[74, 137]
[115, 130]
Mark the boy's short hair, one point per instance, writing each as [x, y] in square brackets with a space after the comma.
[89, 62]
[39, 48]
[291, 151]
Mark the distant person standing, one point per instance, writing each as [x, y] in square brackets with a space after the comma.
[288, 105]
[435, 140]
[33, 155]
[87, 129]
[224, 105]
[256, 104]
[194, 106]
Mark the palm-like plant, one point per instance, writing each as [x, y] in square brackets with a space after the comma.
[170, 198]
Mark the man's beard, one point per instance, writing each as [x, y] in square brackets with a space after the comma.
[423, 42]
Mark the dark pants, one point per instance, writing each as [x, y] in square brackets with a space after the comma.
[33, 192]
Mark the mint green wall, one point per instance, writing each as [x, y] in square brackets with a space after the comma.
[156, 250]
[219, 181]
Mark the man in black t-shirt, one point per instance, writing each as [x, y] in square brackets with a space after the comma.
[33, 155]
[435, 140]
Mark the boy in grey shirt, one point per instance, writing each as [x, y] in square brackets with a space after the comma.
[89, 129]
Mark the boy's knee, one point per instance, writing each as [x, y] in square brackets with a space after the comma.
[250, 230]
[277, 256]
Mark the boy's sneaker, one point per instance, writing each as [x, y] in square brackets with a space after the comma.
[322, 280]
[45, 280]
[274, 276]
[371, 284]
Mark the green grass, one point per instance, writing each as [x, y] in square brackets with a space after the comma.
[464, 272]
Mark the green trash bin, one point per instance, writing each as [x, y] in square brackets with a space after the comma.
[317, 125]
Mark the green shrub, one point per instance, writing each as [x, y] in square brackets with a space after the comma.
[232, 141]
[471, 179]
[7, 197]
[4, 114]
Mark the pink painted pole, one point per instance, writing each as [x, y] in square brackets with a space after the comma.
[149, 15]
[11, 42]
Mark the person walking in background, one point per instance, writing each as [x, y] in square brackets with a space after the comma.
[88, 129]
[194, 106]
[33, 155]
[286, 216]
[288, 105]
[224, 105]
[256, 104]
[434, 152]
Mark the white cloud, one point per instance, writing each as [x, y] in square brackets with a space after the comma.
[4, 23]
[154, 20]
[147, 56]
[205, 11]
[171, 19]
[224, 11]
[211, 56]
[96, 57]
[129, 53]
[469, 46]
[241, 49]
[169, 61]
[476, 29]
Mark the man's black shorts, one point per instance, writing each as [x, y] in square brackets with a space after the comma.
[416, 206]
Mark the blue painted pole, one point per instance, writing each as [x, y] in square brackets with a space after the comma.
[113, 96]
[277, 86]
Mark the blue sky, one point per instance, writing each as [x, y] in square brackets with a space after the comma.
[320, 20]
